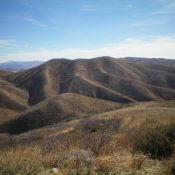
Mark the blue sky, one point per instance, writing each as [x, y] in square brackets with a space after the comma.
[45, 29]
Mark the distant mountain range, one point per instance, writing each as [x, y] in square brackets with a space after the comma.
[15, 66]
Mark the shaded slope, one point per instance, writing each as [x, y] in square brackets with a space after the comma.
[12, 100]
[165, 65]
[138, 115]
[106, 78]
[127, 118]
[59, 108]
[4, 74]
[12, 97]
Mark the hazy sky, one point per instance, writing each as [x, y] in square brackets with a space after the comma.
[45, 29]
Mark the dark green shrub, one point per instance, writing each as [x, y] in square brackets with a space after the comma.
[173, 171]
[170, 133]
[157, 145]
[158, 141]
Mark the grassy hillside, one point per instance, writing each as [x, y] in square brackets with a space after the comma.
[106, 78]
[59, 108]
[135, 139]
[3, 74]
[13, 100]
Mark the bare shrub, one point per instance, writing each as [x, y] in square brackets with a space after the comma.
[105, 164]
[52, 151]
[78, 161]
[96, 141]
[139, 159]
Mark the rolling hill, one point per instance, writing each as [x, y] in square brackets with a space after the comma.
[119, 80]
[118, 138]
[12, 99]
[127, 80]
[63, 107]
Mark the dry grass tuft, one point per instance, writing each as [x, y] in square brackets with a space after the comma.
[20, 162]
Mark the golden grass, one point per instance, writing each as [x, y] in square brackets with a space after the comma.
[20, 161]
[32, 161]
[73, 149]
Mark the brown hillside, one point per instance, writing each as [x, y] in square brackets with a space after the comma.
[4, 74]
[137, 139]
[165, 65]
[105, 78]
[12, 99]
[142, 115]
[59, 108]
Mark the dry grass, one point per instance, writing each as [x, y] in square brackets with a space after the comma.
[115, 142]
[12, 101]
[20, 161]
[32, 161]
[63, 107]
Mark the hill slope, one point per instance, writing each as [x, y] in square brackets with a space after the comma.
[12, 99]
[59, 108]
[134, 140]
[106, 78]
[142, 116]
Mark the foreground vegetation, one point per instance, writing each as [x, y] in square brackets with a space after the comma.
[136, 140]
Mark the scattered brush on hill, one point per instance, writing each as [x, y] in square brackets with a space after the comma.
[12, 100]
[92, 125]
[60, 157]
[60, 108]
[138, 139]
[12, 97]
